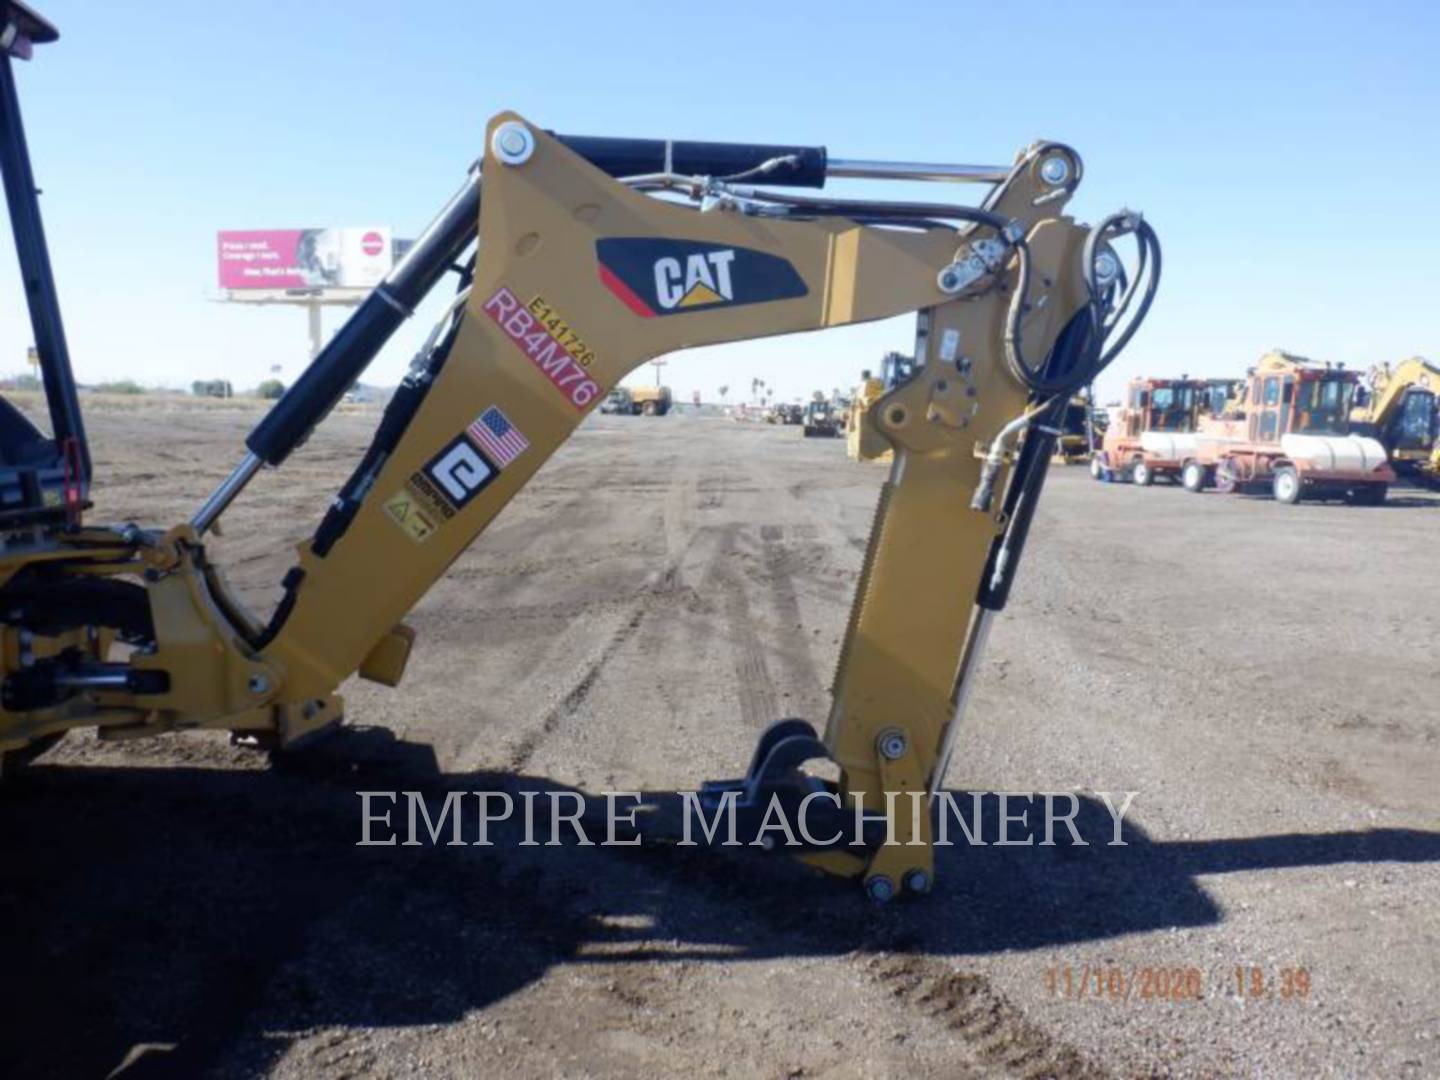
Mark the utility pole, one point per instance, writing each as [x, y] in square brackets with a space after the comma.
[657, 365]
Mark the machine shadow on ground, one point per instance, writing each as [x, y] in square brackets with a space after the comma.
[186, 909]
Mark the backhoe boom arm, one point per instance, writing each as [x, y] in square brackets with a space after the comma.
[579, 277]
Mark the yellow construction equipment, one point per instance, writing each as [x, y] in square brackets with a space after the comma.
[637, 401]
[1074, 443]
[571, 273]
[863, 441]
[1400, 410]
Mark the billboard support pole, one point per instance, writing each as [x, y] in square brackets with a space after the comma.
[317, 334]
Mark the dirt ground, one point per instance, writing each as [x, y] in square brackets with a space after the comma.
[1264, 677]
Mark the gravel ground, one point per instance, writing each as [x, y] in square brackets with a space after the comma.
[1262, 676]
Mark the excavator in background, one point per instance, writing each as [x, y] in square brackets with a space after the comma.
[1401, 408]
[1152, 434]
[575, 259]
[1290, 434]
[863, 441]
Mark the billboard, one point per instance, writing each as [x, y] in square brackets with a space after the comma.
[349, 258]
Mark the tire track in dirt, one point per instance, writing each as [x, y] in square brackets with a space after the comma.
[777, 558]
[970, 1005]
[575, 697]
[880, 950]
[754, 685]
[678, 529]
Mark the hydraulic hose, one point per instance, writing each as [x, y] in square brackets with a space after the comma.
[1105, 318]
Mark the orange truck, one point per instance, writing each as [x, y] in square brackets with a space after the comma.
[1152, 434]
[1290, 435]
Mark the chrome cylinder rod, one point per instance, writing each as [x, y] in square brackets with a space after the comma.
[95, 677]
[854, 169]
[225, 493]
[978, 635]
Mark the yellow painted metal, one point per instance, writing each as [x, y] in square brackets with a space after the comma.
[1388, 385]
[899, 662]
[863, 441]
[905, 801]
[539, 226]
[386, 662]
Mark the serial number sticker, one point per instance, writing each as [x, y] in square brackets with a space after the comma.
[542, 348]
[561, 331]
[405, 510]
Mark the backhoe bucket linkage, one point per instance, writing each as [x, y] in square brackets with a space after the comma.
[783, 809]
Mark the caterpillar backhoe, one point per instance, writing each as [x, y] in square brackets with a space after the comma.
[575, 259]
[1400, 411]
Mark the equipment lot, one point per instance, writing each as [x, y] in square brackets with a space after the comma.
[1263, 676]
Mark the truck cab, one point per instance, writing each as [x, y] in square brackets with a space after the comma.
[1152, 434]
[618, 402]
[821, 420]
[1291, 434]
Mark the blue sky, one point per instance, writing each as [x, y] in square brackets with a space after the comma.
[1284, 151]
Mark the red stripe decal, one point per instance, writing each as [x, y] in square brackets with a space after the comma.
[625, 293]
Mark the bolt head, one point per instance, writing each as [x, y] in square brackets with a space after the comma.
[893, 745]
[880, 889]
[1055, 170]
[258, 684]
[512, 143]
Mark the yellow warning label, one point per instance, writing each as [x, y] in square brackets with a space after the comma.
[405, 511]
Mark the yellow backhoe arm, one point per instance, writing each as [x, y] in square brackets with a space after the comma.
[578, 278]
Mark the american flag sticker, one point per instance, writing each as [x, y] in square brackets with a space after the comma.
[498, 437]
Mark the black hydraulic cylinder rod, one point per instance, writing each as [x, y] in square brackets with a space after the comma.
[348, 354]
[1021, 499]
[639, 157]
[22, 196]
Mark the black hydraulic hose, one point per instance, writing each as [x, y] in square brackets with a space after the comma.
[1022, 494]
[1146, 241]
[350, 351]
[1021, 499]
[1100, 350]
